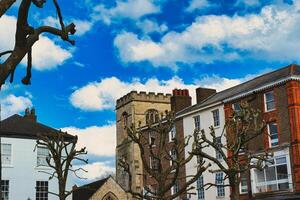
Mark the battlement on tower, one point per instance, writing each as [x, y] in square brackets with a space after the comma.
[143, 96]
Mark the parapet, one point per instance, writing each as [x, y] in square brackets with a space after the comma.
[143, 96]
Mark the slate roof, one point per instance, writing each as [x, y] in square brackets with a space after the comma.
[19, 127]
[260, 81]
[86, 191]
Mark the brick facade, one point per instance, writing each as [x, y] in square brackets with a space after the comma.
[287, 117]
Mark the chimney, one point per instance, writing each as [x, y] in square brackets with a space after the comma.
[180, 100]
[203, 93]
[30, 115]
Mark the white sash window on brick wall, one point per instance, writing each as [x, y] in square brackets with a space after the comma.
[269, 101]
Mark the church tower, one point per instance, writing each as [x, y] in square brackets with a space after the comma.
[132, 108]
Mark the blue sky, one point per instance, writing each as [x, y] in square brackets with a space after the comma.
[152, 45]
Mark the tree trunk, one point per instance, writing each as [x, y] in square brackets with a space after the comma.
[234, 186]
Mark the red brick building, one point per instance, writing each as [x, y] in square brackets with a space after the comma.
[277, 95]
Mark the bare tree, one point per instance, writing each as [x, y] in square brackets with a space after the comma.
[62, 152]
[242, 127]
[159, 163]
[26, 36]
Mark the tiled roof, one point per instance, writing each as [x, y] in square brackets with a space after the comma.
[258, 82]
[20, 127]
[86, 191]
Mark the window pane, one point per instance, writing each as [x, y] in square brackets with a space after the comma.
[273, 132]
[216, 117]
[5, 189]
[270, 174]
[283, 186]
[269, 101]
[281, 160]
[197, 122]
[260, 176]
[282, 172]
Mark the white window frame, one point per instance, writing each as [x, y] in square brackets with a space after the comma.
[10, 155]
[279, 154]
[197, 123]
[37, 156]
[4, 186]
[220, 188]
[269, 135]
[175, 188]
[152, 163]
[216, 118]
[174, 156]
[265, 101]
[234, 107]
[243, 188]
[172, 133]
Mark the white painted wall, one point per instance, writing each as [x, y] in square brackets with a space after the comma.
[206, 120]
[23, 172]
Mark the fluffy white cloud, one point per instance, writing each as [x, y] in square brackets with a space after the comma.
[46, 54]
[103, 95]
[132, 9]
[221, 38]
[150, 26]
[97, 170]
[198, 5]
[99, 140]
[12, 104]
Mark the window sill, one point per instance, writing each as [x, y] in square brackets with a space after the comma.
[267, 111]
[216, 127]
[220, 197]
[7, 166]
[42, 168]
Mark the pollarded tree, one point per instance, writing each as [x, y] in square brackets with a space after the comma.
[62, 152]
[161, 160]
[26, 36]
[236, 157]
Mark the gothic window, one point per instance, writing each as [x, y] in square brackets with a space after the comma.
[152, 116]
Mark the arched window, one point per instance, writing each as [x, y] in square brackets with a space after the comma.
[110, 196]
[125, 119]
[152, 116]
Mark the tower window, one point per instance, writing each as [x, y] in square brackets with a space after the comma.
[152, 116]
[125, 119]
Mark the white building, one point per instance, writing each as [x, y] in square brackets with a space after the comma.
[21, 165]
[202, 117]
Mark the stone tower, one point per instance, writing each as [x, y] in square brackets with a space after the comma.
[133, 108]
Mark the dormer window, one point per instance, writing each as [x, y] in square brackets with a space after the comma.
[152, 116]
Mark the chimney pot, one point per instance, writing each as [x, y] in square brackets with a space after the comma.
[30, 114]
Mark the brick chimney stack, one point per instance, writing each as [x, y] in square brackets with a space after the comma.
[203, 93]
[30, 114]
[180, 100]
